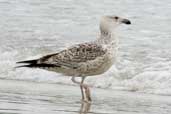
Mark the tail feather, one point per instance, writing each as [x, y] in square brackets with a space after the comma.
[34, 64]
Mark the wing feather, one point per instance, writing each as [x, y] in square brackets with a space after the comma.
[73, 56]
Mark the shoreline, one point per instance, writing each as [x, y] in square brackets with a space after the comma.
[39, 98]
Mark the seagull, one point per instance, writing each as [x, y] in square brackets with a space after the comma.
[85, 59]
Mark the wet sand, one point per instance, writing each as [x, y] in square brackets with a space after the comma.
[21, 97]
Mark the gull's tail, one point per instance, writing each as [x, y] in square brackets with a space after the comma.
[29, 63]
[34, 64]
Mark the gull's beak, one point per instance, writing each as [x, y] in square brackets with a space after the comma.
[126, 21]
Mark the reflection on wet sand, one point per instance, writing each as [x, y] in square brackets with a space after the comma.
[85, 107]
[20, 97]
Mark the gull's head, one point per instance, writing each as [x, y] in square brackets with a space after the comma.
[115, 20]
[109, 23]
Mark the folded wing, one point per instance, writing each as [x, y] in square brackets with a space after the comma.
[70, 58]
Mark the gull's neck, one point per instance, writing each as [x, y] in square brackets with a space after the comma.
[107, 38]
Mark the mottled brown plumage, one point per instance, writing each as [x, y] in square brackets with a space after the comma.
[74, 55]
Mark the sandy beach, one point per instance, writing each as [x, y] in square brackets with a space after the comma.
[21, 97]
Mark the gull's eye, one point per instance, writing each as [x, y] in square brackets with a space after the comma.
[116, 17]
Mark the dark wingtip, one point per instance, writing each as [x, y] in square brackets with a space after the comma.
[38, 66]
[34, 64]
[22, 66]
[28, 61]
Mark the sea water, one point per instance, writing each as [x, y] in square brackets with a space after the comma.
[30, 29]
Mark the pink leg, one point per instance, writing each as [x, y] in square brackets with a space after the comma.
[87, 90]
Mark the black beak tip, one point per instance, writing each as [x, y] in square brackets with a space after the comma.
[126, 21]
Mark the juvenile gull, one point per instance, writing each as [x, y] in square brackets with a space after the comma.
[86, 59]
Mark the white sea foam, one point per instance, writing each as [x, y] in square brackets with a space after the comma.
[150, 80]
